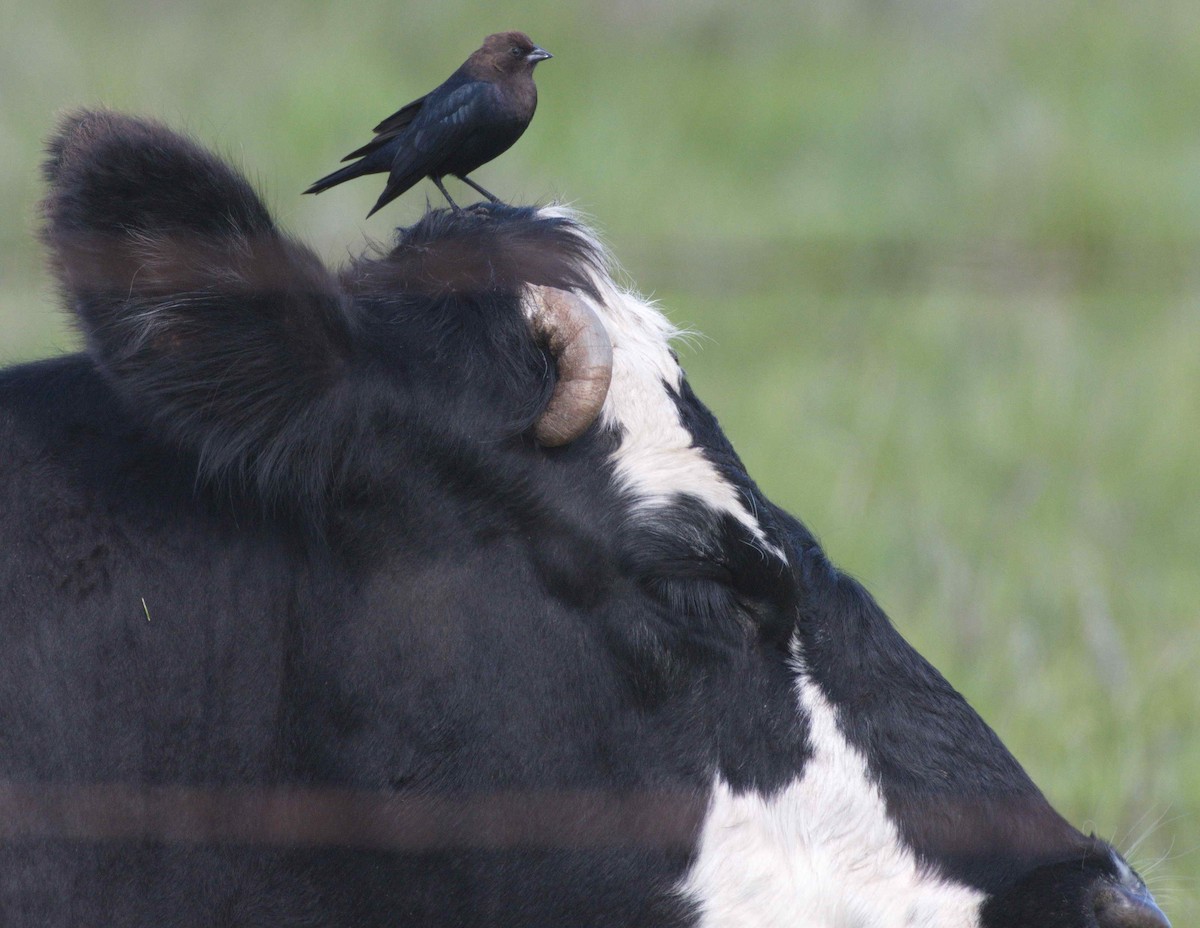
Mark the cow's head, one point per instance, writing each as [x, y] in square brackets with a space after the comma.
[497, 445]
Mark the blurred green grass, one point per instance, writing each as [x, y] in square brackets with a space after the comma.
[944, 256]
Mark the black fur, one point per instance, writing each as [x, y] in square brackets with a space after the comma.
[235, 342]
[281, 532]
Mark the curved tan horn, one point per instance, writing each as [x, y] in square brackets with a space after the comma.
[583, 353]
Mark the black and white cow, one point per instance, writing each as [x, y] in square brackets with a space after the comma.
[428, 594]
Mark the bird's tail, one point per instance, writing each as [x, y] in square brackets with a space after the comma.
[349, 172]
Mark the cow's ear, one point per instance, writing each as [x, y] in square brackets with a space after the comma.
[209, 322]
[111, 173]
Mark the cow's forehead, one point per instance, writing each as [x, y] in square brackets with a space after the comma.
[658, 459]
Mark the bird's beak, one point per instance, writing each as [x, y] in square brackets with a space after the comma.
[538, 54]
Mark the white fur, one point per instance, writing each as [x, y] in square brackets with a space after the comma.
[657, 460]
[1124, 871]
[821, 853]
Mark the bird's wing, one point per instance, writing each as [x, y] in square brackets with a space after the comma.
[390, 127]
[401, 118]
[446, 120]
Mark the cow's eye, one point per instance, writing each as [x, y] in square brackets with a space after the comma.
[694, 588]
[702, 598]
[680, 564]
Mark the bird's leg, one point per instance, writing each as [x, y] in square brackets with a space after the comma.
[453, 205]
[471, 183]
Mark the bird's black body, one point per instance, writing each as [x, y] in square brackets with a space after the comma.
[474, 116]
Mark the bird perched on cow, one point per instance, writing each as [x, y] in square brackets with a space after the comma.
[476, 115]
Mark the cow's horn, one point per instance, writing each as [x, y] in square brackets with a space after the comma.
[583, 353]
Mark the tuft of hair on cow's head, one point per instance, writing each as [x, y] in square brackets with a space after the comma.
[232, 341]
[489, 247]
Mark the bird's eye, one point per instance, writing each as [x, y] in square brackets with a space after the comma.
[515, 52]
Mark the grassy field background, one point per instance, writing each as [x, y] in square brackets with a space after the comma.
[945, 255]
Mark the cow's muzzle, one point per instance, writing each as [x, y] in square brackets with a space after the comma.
[1119, 906]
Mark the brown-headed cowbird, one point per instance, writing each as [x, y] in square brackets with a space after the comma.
[476, 115]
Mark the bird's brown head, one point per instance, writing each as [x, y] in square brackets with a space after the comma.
[509, 53]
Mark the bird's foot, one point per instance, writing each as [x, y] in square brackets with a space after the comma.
[495, 200]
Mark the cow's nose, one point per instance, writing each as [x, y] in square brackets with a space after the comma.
[1125, 907]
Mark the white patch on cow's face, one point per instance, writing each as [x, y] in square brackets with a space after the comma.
[1125, 872]
[657, 460]
[821, 853]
